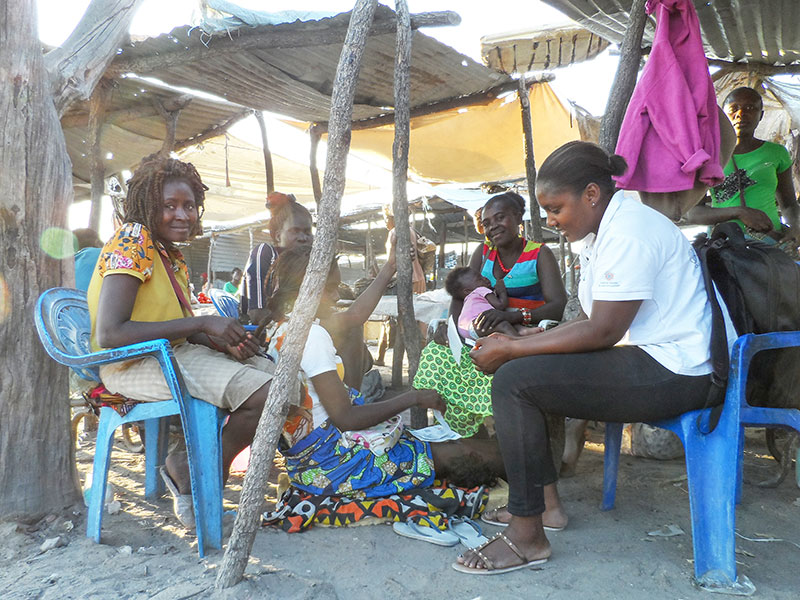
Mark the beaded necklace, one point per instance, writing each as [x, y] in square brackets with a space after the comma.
[503, 268]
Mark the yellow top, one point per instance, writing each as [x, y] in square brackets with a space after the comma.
[132, 251]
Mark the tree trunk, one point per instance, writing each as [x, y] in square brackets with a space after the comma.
[37, 467]
[77, 65]
[402, 112]
[625, 79]
[285, 385]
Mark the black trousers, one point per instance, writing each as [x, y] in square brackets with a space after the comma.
[619, 384]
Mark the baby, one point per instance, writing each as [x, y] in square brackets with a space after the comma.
[476, 292]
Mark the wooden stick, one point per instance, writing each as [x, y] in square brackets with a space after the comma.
[312, 163]
[530, 161]
[625, 79]
[285, 384]
[97, 108]
[267, 154]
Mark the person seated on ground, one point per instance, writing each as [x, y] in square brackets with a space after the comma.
[232, 286]
[473, 290]
[758, 179]
[140, 292]
[88, 250]
[536, 292]
[642, 283]
[321, 443]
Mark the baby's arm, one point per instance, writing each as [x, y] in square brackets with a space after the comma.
[499, 298]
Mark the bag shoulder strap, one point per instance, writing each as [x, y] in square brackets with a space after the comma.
[720, 360]
[738, 181]
[176, 288]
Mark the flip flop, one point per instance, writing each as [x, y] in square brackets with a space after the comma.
[493, 521]
[181, 503]
[489, 568]
[468, 531]
[434, 535]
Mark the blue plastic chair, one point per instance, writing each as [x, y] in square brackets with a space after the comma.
[64, 327]
[227, 305]
[714, 464]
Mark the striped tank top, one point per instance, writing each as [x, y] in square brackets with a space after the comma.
[522, 281]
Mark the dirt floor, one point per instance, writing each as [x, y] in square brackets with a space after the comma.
[601, 555]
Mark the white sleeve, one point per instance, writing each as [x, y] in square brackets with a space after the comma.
[625, 269]
[319, 355]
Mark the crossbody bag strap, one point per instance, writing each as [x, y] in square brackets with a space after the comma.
[739, 181]
[176, 288]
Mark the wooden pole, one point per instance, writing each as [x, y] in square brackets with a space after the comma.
[368, 249]
[211, 243]
[530, 162]
[97, 109]
[315, 136]
[267, 154]
[402, 118]
[285, 384]
[442, 242]
[171, 122]
[625, 79]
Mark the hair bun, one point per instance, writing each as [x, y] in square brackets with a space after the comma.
[278, 199]
[617, 165]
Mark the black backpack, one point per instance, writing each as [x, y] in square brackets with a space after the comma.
[760, 286]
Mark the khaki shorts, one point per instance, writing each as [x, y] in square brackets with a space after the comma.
[217, 378]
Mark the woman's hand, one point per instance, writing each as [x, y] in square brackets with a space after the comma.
[491, 352]
[431, 399]
[755, 219]
[245, 349]
[227, 330]
[488, 320]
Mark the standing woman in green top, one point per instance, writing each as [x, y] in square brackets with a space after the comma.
[761, 169]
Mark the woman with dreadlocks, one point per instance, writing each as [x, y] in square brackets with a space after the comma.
[139, 292]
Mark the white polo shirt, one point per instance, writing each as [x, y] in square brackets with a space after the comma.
[639, 254]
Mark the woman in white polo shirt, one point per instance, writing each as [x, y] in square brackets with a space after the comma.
[640, 351]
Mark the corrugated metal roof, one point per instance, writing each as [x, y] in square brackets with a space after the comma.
[296, 80]
[540, 49]
[755, 31]
[130, 139]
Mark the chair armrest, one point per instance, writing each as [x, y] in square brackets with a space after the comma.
[112, 355]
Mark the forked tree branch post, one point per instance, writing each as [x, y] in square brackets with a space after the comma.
[35, 192]
[402, 227]
[285, 384]
[625, 79]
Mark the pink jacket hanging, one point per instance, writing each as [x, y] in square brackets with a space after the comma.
[670, 133]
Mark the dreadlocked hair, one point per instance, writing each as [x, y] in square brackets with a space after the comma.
[144, 201]
[287, 274]
[281, 208]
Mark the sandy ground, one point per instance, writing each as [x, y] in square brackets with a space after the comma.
[601, 555]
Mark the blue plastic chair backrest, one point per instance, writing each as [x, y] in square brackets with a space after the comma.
[225, 303]
[65, 328]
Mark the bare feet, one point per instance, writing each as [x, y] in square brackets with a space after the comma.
[527, 535]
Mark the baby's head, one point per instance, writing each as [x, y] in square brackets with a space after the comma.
[460, 282]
